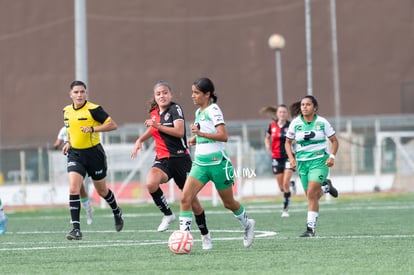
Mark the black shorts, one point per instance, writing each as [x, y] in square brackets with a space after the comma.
[90, 160]
[279, 165]
[176, 168]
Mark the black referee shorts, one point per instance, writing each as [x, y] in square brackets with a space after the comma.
[91, 161]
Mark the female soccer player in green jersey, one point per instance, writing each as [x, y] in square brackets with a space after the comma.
[312, 158]
[211, 162]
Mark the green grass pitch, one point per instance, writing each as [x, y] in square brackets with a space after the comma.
[356, 234]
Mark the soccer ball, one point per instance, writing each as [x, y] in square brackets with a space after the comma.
[180, 242]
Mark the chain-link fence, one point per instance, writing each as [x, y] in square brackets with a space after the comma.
[363, 162]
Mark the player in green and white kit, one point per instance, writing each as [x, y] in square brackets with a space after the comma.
[312, 158]
[211, 162]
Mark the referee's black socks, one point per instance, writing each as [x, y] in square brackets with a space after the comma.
[74, 207]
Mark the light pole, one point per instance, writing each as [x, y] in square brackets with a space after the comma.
[308, 31]
[335, 67]
[81, 44]
[277, 43]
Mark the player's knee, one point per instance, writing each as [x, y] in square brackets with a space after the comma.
[152, 186]
[314, 194]
[232, 205]
[197, 208]
[102, 190]
[186, 202]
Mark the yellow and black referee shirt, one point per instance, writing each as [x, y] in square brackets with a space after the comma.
[89, 115]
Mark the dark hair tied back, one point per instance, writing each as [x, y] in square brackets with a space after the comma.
[295, 109]
[205, 85]
[313, 99]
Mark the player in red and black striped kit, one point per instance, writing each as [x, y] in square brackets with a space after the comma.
[275, 143]
[166, 126]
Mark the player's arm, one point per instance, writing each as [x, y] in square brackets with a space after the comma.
[220, 135]
[57, 143]
[66, 145]
[177, 131]
[334, 144]
[106, 122]
[267, 142]
[138, 143]
[108, 125]
[192, 141]
[289, 152]
[334, 149]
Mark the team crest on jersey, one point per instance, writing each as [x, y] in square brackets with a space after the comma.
[167, 116]
[318, 126]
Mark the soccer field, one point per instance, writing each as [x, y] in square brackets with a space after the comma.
[364, 234]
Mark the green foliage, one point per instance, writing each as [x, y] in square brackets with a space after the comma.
[355, 235]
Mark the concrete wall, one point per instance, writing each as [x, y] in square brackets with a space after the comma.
[134, 43]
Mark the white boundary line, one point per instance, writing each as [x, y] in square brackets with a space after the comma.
[116, 243]
[254, 209]
[112, 243]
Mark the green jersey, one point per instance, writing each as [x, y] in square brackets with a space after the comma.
[311, 138]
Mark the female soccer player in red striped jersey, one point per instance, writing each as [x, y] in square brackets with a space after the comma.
[275, 143]
[166, 126]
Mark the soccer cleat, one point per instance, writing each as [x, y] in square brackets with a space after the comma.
[285, 213]
[331, 189]
[165, 222]
[75, 234]
[3, 224]
[308, 233]
[89, 215]
[119, 222]
[249, 233]
[206, 241]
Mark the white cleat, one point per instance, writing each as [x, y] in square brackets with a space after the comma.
[249, 234]
[285, 214]
[89, 215]
[206, 241]
[165, 222]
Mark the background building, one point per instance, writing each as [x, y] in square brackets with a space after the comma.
[133, 43]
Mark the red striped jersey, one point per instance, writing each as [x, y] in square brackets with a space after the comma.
[167, 146]
[278, 138]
